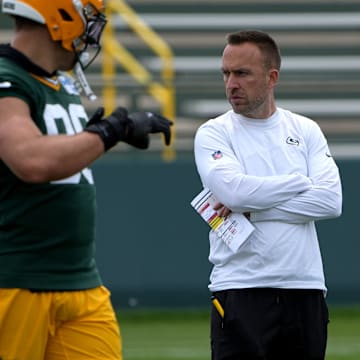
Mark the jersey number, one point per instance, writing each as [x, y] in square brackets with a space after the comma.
[60, 121]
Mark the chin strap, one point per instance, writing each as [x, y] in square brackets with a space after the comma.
[81, 79]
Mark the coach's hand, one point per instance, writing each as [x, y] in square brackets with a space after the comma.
[133, 129]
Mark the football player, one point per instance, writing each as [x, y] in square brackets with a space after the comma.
[53, 302]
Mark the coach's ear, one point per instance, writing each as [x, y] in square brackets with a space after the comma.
[273, 76]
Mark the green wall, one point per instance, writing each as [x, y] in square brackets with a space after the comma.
[152, 248]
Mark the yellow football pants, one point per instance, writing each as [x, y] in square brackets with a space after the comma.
[58, 325]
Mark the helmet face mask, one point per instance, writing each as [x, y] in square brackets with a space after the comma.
[76, 24]
[87, 46]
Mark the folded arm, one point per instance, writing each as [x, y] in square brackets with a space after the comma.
[227, 180]
[292, 198]
[322, 201]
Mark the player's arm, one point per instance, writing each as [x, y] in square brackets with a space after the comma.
[33, 157]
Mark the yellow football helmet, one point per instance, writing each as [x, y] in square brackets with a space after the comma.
[77, 24]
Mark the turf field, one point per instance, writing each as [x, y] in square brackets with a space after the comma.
[184, 334]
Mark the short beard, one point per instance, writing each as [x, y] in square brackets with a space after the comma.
[251, 109]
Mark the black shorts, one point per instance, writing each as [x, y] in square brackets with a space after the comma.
[269, 324]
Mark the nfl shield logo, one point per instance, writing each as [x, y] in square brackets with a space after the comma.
[217, 155]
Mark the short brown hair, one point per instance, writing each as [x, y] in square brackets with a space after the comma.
[266, 44]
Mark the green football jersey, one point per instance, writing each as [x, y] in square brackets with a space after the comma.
[47, 231]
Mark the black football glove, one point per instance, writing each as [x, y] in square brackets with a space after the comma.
[133, 129]
[110, 129]
[97, 116]
[144, 123]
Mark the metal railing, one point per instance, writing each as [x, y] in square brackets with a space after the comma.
[114, 52]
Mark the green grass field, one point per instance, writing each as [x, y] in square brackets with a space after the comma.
[184, 334]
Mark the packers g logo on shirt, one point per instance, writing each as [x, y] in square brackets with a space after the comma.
[291, 141]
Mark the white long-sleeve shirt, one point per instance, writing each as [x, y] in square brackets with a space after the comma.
[281, 171]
